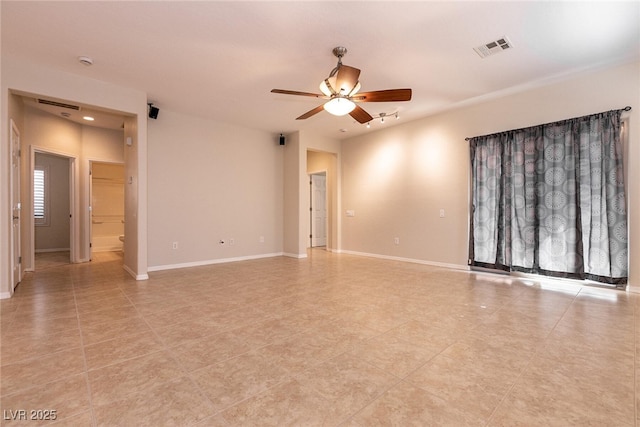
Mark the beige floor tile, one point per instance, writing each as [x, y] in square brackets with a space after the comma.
[347, 382]
[108, 314]
[67, 397]
[234, 380]
[102, 303]
[266, 332]
[83, 419]
[197, 354]
[115, 381]
[176, 402]
[527, 406]
[329, 340]
[463, 384]
[117, 350]
[113, 329]
[175, 315]
[40, 327]
[407, 405]
[36, 345]
[424, 334]
[287, 404]
[183, 332]
[393, 355]
[42, 370]
[300, 352]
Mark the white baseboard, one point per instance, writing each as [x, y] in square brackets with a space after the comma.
[298, 256]
[114, 248]
[411, 260]
[211, 261]
[5, 295]
[134, 275]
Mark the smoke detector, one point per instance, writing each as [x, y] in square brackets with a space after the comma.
[493, 47]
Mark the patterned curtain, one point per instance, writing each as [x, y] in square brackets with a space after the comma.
[550, 200]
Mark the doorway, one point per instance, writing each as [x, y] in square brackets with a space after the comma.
[106, 195]
[52, 194]
[318, 209]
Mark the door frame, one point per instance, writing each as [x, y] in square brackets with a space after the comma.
[74, 205]
[16, 206]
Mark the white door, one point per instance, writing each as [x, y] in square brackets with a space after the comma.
[318, 210]
[16, 258]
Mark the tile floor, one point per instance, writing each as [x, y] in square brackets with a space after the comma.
[329, 340]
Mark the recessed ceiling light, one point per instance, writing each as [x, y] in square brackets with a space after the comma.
[85, 60]
[88, 118]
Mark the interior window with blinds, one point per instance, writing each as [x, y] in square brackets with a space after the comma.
[40, 199]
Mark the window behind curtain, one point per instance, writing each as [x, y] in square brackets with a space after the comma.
[550, 200]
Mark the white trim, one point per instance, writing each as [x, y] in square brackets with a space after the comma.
[411, 260]
[633, 289]
[40, 251]
[5, 295]
[14, 136]
[134, 275]
[212, 261]
[298, 256]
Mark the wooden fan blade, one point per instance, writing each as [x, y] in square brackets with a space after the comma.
[389, 95]
[360, 115]
[295, 92]
[311, 113]
[347, 77]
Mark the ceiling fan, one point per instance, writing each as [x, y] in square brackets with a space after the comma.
[341, 89]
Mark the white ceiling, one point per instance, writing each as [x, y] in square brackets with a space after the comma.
[221, 59]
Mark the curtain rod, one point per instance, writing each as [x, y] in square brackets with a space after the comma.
[627, 108]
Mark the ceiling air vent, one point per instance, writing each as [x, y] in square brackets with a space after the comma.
[493, 47]
[58, 104]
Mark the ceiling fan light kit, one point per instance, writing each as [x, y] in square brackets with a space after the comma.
[339, 106]
[342, 88]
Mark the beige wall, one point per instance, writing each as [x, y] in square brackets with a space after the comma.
[54, 235]
[398, 179]
[294, 169]
[208, 182]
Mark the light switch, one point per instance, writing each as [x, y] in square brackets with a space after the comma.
[351, 212]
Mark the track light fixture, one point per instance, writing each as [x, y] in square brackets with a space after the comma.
[382, 117]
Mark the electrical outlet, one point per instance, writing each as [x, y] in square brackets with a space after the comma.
[175, 245]
[261, 239]
[231, 242]
[441, 213]
[396, 240]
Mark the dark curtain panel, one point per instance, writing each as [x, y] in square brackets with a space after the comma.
[550, 200]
